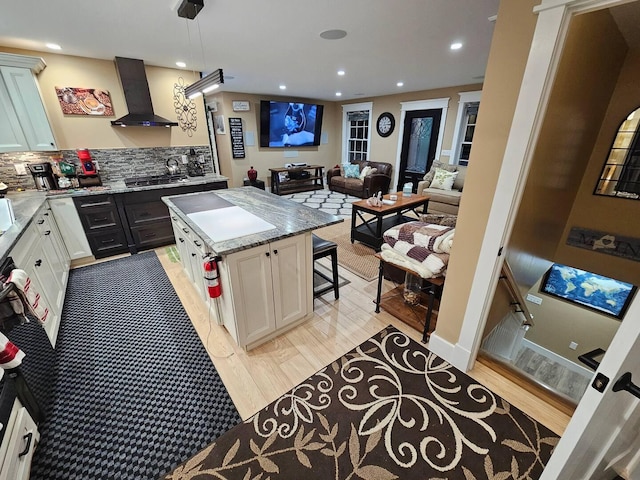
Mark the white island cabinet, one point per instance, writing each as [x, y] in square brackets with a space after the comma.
[268, 288]
[266, 277]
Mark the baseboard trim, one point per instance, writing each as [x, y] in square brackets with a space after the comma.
[454, 354]
[557, 358]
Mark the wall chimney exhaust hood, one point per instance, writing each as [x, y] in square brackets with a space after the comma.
[137, 96]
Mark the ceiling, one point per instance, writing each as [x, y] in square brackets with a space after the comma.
[262, 44]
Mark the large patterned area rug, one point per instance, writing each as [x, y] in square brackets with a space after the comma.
[136, 393]
[389, 409]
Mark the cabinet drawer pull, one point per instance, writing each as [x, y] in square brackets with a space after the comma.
[275, 252]
[101, 219]
[111, 240]
[46, 214]
[40, 222]
[173, 218]
[48, 232]
[181, 240]
[197, 243]
[267, 254]
[185, 230]
[193, 254]
[28, 437]
[38, 262]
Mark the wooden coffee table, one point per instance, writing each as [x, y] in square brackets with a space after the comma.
[380, 219]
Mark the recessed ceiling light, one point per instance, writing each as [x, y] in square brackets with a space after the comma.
[338, 94]
[333, 34]
[54, 46]
[456, 46]
[181, 64]
[283, 87]
[400, 84]
[341, 72]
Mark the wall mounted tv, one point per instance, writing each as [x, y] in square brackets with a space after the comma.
[591, 290]
[290, 124]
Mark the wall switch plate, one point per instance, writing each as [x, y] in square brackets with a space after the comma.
[21, 168]
[534, 299]
[573, 345]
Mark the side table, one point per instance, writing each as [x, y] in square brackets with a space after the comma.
[393, 301]
[256, 183]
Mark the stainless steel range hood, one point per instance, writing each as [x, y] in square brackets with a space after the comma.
[136, 93]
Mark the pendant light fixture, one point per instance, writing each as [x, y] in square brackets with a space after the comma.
[189, 9]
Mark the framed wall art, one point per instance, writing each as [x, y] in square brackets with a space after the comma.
[84, 101]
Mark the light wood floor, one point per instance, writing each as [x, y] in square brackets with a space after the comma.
[256, 378]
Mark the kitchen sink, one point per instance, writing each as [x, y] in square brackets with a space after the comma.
[153, 180]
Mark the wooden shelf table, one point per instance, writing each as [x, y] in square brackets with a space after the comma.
[393, 301]
[314, 181]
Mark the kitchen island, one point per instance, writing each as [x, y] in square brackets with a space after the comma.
[265, 257]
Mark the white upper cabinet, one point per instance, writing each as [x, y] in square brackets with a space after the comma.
[24, 125]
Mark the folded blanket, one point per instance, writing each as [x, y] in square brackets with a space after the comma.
[26, 295]
[10, 355]
[436, 238]
[431, 265]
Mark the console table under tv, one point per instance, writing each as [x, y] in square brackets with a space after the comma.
[292, 180]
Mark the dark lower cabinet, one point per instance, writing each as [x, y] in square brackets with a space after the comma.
[132, 221]
[102, 224]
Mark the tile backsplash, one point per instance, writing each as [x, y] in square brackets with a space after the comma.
[114, 164]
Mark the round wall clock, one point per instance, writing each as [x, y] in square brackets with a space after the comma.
[385, 125]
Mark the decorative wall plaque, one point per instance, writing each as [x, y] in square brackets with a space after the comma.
[241, 106]
[603, 242]
[237, 140]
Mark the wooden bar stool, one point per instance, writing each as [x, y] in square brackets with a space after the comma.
[323, 248]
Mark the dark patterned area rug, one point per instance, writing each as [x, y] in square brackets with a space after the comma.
[388, 409]
[136, 392]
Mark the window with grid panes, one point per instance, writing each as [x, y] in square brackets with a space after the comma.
[620, 176]
[468, 130]
[358, 139]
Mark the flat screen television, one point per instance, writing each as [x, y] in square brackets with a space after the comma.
[591, 290]
[290, 124]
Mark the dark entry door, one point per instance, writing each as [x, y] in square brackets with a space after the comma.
[420, 140]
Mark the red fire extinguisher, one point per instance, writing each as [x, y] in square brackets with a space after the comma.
[212, 277]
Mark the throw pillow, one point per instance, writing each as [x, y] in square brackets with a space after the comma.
[443, 180]
[462, 173]
[352, 171]
[365, 171]
[437, 164]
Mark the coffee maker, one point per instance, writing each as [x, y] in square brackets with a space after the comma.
[43, 176]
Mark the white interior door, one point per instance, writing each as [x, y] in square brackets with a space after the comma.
[603, 435]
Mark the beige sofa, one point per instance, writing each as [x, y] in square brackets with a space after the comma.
[443, 201]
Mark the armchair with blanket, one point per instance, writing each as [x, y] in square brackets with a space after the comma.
[360, 178]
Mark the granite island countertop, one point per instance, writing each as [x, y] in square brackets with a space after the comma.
[289, 218]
